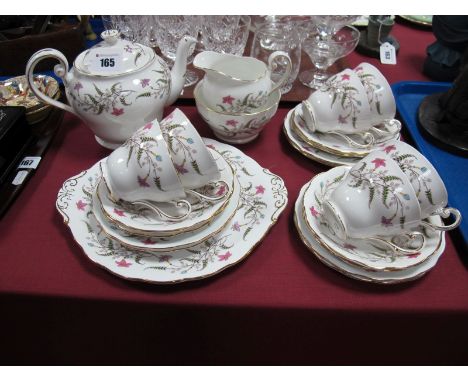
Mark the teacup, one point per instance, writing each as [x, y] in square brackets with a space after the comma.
[192, 160]
[425, 180]
[379, 93]
[375, 199]
[142, 169]
[339, 106]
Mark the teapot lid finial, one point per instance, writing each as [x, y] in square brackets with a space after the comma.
[110, 36]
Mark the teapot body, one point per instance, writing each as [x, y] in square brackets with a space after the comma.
[114, 107]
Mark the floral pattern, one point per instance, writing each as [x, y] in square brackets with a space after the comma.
[346, 95]
[416, 174]
[145, 148]
[355, 251]
[112, 100]
[373, 89]
[159, 87]
[181, 146]
[234, 129]
[254, 216]
[383, 187]
[249, 103]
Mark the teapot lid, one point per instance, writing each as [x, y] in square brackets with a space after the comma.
[122, 56]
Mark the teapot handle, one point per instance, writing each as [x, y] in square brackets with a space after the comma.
[272, 65]
[61, 70]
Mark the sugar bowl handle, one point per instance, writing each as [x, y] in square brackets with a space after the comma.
[272, 64]
[61, 70]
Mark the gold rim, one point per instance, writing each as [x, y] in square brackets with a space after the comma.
[167, 249]
[178, 281]
[310, 155]
[164, 233]
[351, 261]
[346, 273]
[199, 101]
[347, 154]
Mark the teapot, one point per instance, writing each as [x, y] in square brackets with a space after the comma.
[117, 86]
[236, 84]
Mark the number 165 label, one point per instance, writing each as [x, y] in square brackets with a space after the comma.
[107, 62]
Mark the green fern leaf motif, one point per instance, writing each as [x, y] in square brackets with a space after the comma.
[221, 107]
[139, 154]
[343, 100]
[246, 99]
[354, 120]
[377, 106]
[137, 57]
[196, 167]
[244, 170]
[100, 109]
[389, 178]
[157, 182]
[403, 157]
[157, 268]
[371, 195]
[124, 102]
[247, 231]
[338, 179]
[402, 221]
[429, 196]
[130, 152]
[98, 91]
[335, 95]
[145, 94]
[92, 99]
[251, 209]
[114, 87]
[385, 192]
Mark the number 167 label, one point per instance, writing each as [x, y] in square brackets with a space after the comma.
[107, 62]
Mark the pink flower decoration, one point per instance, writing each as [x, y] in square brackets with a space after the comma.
[378, 162]
[342, 119]
[148, 126]
[224, 257]
[78, 86]
[148, 241]
[386, 222]
[345, 77]
[119, 212]
[117, 112]
[232, 122]
[236, 227]
[221, 191]
[123, 263]
[414, 255]
[180, 168]
[144, 82]
[211, 147]
[228, 99]
[260, 190]
[81, 205]
[142, 182]
[390, 148]
[314, 212]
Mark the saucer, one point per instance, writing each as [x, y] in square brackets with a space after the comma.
[263, 197]
[330, 143]
[147, 223]
[312, 152]
[169, 243]
[379, 277]
[366, 254]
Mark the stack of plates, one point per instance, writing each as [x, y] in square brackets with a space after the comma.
[328, 149]
[138, 245]
[358, 258]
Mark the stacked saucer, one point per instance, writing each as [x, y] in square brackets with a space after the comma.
[131, 216]
[345, 120]
[388, 229]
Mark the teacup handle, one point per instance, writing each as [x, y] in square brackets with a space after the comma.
[271, 66]
[61, 70]
[366, 136]
[391, 128]
[445, 213]
[160, 212]
[400, 250]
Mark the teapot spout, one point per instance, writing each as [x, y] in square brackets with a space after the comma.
[184, 50]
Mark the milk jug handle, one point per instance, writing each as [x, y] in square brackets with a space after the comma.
[61, 70]
[272, 65]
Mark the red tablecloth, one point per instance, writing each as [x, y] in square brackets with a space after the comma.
[279, 306]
